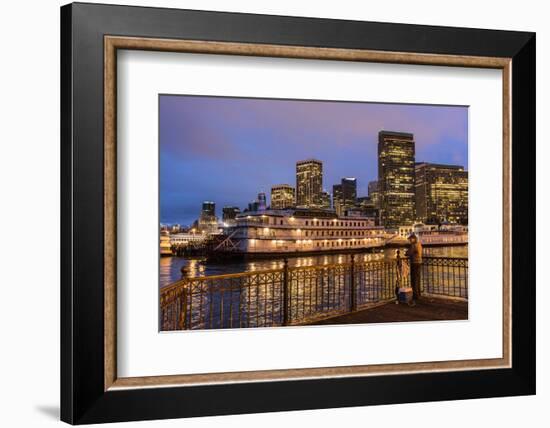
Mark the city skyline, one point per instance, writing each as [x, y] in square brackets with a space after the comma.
[230, 149]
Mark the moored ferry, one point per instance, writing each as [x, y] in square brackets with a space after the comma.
[165, 246]
[432, 235]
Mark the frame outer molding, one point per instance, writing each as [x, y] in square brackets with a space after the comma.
[110, 207]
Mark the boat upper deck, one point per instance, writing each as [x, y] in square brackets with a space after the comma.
[304, 219]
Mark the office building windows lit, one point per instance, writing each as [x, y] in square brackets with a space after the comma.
[441, 193]
[282, 197]
[396, 153]
[309, 183]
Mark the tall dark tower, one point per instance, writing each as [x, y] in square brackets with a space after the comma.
[344, 195]
[396, 184]
[208, 221]
[208, 209]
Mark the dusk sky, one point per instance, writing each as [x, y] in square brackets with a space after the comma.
[228, 149]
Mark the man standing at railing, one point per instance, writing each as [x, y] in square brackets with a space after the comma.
[414, 253]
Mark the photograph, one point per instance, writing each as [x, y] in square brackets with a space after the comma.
[290, 212]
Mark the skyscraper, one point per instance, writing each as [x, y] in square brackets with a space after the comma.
[208, 222]
[253, 206]
[441, 193]
[262, 201]
[374, 195]
[309, 183]
[368, 208]
[396, 178]
[325, 199]
[282, 197]
[344, 195]
[208, 209]
[349, 192]
[337, 198]
[230, 213]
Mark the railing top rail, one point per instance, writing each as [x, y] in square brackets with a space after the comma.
[218, 277]
[293, 268]
[185, 281]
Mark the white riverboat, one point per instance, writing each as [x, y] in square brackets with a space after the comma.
[300, 230]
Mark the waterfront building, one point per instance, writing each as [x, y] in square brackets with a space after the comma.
[441, 193]
[309, 183]
[396, 185]
[344, 195]
[175, 228]
[301, 230]
[282, 197]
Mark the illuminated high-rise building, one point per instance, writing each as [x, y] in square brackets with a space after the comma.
[344, 195]
[282, 197]
[396, 185]
[325, 200]
[368, 208]
[262, 201]
[374, 195]
[337, 199]
[349, 192]
[208, 209]
[309, 183]
[208, 222]
[230, 213]
[441, 193]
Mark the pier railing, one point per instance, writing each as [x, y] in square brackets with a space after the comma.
[445, 276]
[297, 295]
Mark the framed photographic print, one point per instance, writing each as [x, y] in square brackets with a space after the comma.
[265, 213]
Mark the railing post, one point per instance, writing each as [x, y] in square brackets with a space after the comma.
[286, 294]
[400, 281]
[352, 288]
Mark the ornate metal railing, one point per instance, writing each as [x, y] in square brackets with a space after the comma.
[445, 276]
[296, 295]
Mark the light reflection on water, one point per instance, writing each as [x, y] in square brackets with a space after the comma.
[170, 267]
